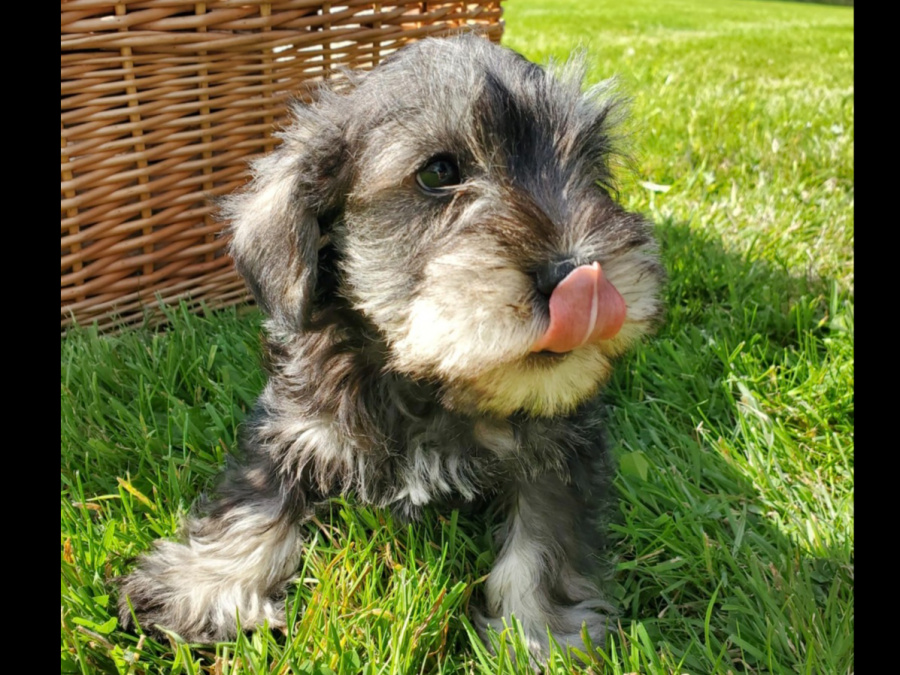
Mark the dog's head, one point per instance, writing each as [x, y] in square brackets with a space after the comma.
[457, 197]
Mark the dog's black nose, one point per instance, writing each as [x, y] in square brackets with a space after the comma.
[549, 276]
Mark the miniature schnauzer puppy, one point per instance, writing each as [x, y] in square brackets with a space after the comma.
[447, 278]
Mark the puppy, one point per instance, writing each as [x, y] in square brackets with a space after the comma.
[447, 279]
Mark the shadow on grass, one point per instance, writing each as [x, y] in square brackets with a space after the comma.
[734, 540]
[724, 425]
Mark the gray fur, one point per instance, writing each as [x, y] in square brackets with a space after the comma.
[399, 334]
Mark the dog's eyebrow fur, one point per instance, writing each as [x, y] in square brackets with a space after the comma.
[401, 339]
[512, 122]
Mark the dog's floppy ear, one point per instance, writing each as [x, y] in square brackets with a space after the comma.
[275, 219]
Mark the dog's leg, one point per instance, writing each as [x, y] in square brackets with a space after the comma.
[233, 560]
[545, 572]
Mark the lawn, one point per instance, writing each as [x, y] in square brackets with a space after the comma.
[732, 545]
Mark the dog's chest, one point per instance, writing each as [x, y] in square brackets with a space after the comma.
[456, 463]
[441, 462]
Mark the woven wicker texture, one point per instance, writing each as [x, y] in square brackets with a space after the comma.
[162, 103]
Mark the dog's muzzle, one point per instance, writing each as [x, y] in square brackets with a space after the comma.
[584, 308]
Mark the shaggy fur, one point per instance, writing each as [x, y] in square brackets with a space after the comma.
[400, 333]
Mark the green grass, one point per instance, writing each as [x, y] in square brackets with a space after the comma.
[733, 544]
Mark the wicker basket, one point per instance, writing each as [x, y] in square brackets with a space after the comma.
[163, 102]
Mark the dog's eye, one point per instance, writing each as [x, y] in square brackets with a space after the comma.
[439, 173]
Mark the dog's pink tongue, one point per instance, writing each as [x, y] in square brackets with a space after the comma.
[584, 308]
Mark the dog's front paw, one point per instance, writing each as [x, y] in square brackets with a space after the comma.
[176, 590]
[565, 624]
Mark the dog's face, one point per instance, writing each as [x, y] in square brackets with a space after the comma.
[455, 197]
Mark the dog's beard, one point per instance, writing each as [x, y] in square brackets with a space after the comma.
[475, 320]
[538, 385]
[474, 333]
